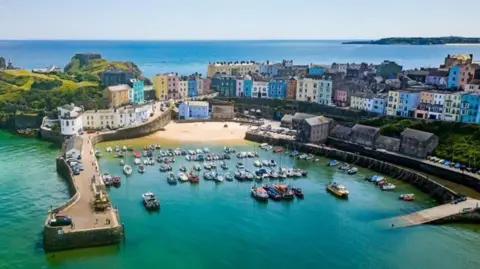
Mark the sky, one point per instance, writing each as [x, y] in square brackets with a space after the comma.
[235, 19]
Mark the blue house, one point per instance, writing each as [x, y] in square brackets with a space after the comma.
[378, 105]
[270, 69]
[453, 75]
[193, 110]
[247, 87]
[407, 103]
[277, 89]
[469, 108]
[316, 70]
[192, 90]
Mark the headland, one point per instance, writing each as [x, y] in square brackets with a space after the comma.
[419, 41]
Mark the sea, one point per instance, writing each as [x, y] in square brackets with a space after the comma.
[219, 225]
[187, 57]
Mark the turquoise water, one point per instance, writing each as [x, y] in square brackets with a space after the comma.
[212, 225]
[187, 57]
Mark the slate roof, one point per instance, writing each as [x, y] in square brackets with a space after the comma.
[302, 116]
[317, 120]
[340, 131]
[287, 118]
[438, 73]
[415, 134]
[364, 129]
[386, 140]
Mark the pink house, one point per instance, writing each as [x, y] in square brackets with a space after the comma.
[340, 97]
[172, 87]
[239, 87]
[206, 86]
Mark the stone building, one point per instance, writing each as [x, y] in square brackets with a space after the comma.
[222, 112]
[364, 135]
[417, 143]
[341, 132]
[387, 143]
[314, 130]
[298, 117]
[286, 121]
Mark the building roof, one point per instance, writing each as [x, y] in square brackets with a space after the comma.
[387, 140]
[439, 73]
[364, 129]
[302, 116]
[118, 88]
[317, 120]
[287, 118]
[197, 103]
[69, 107]
[462, 57]
[340, 131]
[416, 134]
[417, 72]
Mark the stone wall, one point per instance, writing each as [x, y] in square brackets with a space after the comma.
[50, 136]
[437, 191]
[26, 121]
[467, 217]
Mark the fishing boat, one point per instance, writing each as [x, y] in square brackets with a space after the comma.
[127, 169]
[387, 187]
[344, 167]
[272, 163]
[198, 151]
[407, 197]
[352, 171]
[163, 168]
[267, 148]
[332, 163]
[193, 177]
[109, 149]
[263, 145]
[182, 177]
[272, 193]
[144, 153]
[183, 168]
[116, 181]
[240, 165]
[284, 191]
[150, 201]
[171, 179]
[259, 194]
[277, 150]
[249, 176]
[273, 175]
[302, 156]
[298, 192]
[309, 157]
[197, 167]
[282, 174]
[228, 177]
[141, 169]
[265, 163]
[257, 163]
[338, 190]
[122, 162]
[224, 165]
[219, 178]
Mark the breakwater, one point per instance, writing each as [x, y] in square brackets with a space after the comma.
[441, 193]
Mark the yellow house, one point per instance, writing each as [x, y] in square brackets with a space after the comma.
[392, 102]
[160, 84]
[118, 95]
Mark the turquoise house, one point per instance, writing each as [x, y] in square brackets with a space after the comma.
[247, 87]
[137, 92]
[469, 108]
[453, 75]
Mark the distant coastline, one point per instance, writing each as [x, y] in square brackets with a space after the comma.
[450, 40]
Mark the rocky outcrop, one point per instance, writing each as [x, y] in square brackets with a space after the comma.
[3, 64]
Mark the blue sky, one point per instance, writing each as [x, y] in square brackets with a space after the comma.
[235, 19]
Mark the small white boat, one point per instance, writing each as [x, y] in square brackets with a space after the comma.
[124, 148]
[265, 163]
[257, 163]
[219, 178]
[117, 149]
[109, 149]
[263, 145]
[182, 177]
[145, 162]
[137, 161]
[387, 187]
[268, 147]
[206, 150]
[122, 162]
[198, 151]
[302, 157]
[127, 169]
[352, 171]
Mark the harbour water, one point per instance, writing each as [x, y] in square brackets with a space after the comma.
[218, 225]
[187, 57]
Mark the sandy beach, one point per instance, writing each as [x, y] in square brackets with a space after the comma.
[202, 132]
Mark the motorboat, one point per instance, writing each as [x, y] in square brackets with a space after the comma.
[198, 151]
[272, 163]
[129, 148]
[265, 163]
[193, 177]
[117, 149]
[144, 153]
[240, 165]
[124, 148]
[250, 154]
[338, 190]
[298, 192]
[263, 145]
[268, 147]
[309, 157]
[344, 167]
[282, 174]
[150, 201]
[207, 166]
[272, 192]
[171, 179]
[109, 149]
[183, 168]
[260, 194]
[207, 175]
[116, 181]
[149, 153]
[224, 165]
[182, 177]
[98, 153]
[141, 169]
[159, 159]
[294, 154]
[352, 171]
[158, 146]
[332, 163]
[107, 179]
[219, 178]
[137, 161]
[137, 154]
[213, 165]
[122, 162]
[206, 150]
[277, 150]
[163, 167]
[197, 167]
[188, 157]
[407, 197]
[387, 187]
[285, 191]
[302, 156]
[127, 169]
[249, 176]
[257, 163]
[273, 175]
[228, 177]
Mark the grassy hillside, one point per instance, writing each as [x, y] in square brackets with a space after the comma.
[458, 141]
[84, 63]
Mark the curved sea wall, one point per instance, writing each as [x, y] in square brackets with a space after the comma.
[437, 191]
[472, 216]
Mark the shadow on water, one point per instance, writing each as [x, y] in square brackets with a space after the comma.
[60, 257]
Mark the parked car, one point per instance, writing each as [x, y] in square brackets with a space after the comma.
[60, 220]
[76, 171]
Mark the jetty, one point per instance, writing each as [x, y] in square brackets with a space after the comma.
[442, 213]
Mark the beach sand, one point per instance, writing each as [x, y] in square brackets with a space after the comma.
[207, 132]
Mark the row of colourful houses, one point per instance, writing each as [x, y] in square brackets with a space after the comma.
[171, 86]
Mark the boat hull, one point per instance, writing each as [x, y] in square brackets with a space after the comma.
[338, 194]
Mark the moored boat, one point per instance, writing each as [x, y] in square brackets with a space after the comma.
[387, 187]
[298, 192]
[257, 163]
[171, 179]
[182, 177]
[183, 168]
[122, 162]
[219, 178]
[98, 153]
[259, 193]
[272, 163]
[277, 150]
[141, 169]
[332, 163]
[197, 167]
[116, 181]
[352, 171]
[284, 191]
[338, 190]
[344, 167]
[108, 149]
[240, 165]
[224, 165]
[309, 157]
[127, 169]
[228, 177]
[150, 201]
[407, 197]
[272, 193]
[193, 177]
[302, 156]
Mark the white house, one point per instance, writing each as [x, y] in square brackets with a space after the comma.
[116, 118]
[70, 118]
[193, 110]
[315, 90]
[183, 88]
[260, 89]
